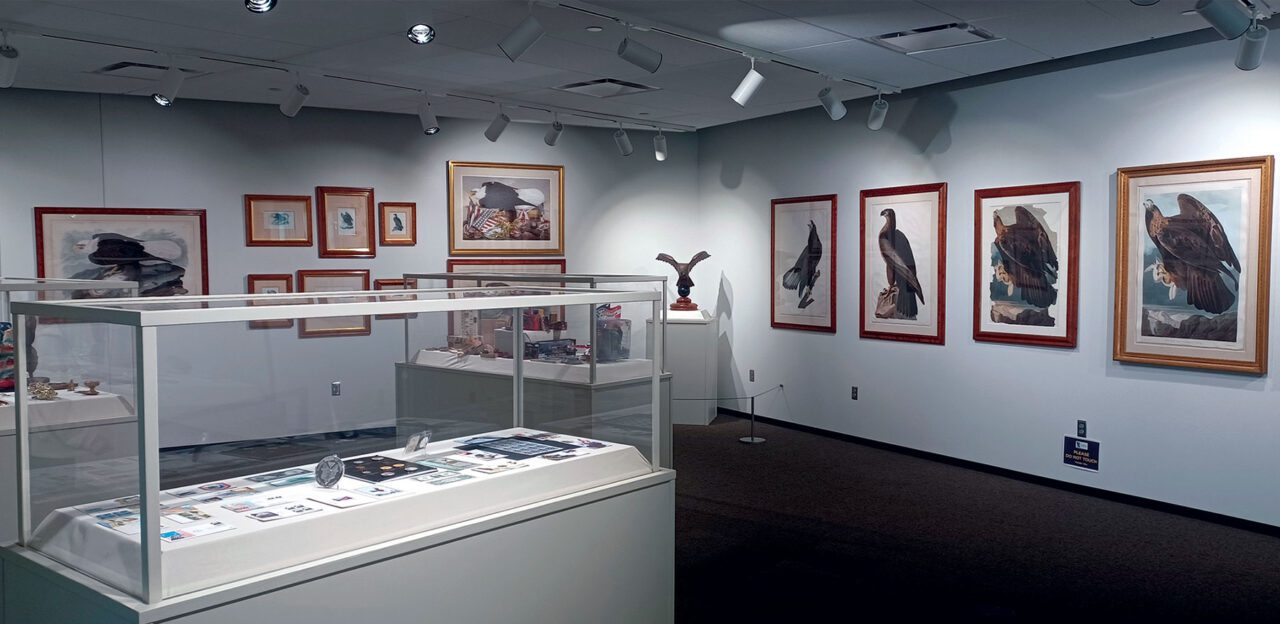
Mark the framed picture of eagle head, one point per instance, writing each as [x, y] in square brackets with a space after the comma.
[1026, 240]
[803, 252]
[1193, 264]
[345, 219]
[499, 209]
[904, 263]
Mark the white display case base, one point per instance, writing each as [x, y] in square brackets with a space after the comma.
[693, 360]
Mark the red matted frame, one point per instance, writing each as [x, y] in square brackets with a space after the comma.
[412, 209]
[981, 277]
[322, 222]
[41, 212]
[940, 286]
[252, 288]
[830, 247]
[366, 326]
[453, 262]
[395, 284]
[251, 241]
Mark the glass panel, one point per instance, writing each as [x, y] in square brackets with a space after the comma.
[202, 303]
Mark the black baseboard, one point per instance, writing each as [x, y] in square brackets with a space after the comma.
[1128, 499]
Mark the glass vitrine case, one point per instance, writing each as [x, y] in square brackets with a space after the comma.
[275, 431]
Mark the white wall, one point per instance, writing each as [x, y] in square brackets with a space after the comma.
[1198, 439]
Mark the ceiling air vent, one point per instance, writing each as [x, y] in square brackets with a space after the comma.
[606, 88]
[933, 38]
[142, 71]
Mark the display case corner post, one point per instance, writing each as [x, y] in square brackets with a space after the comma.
[658, 435]
[22, 427]
[145, 353]
[517, 367]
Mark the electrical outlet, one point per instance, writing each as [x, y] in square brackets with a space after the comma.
[751, 375]
[1082, 429]
[335, 388]
[853, 394]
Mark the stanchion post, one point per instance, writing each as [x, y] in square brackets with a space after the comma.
[752, 439]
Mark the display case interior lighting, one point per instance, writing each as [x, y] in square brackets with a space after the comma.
[497, 126]
[294, 99]
[639, 54]
[659, 147]
[170, 83]
[879, 110]
[623, 140]
[9, 59]
[519, 40]
[832, 104]
[747, 88]
[421, 34]
[259, 6]
[1228, 17]
[426, 117]
[553, 131]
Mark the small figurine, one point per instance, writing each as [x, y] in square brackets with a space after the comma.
[684, 284]
[42, 391]
[92, 388]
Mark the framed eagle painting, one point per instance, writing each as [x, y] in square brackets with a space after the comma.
[903, 274]
[1025, 267]
[499, 209]
[803, 241]
[1193, 264]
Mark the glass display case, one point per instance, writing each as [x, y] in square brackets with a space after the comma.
[275, 432]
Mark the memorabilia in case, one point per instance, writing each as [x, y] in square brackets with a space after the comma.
[684, 283]
[803, 256]
[903, 276]
[329, 471]
[270, 284]
[398, 223]
[1193, 262]
[376, 468]
[484, 322]
[277, 220]
[417, 442]
[346, 221]
[334, 280]
[396, 284]
[1026, 247]
[613, 335]
[505, 209]
[164, 251]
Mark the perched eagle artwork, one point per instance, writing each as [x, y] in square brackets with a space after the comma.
[1026, 259]
[804, 274]
[1194, 254]
[900, 270]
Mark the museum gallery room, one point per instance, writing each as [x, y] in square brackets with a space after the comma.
[826, 310]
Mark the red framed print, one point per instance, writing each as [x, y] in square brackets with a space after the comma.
[334, 280]
[396, 284]
[277, 220]
[483, 323]
[269, 284]
[802, 243]
[398, 224]
[904, 263]
[345, 218]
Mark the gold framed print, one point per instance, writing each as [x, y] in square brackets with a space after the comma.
[499, 209]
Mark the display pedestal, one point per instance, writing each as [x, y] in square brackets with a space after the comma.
[693, 360]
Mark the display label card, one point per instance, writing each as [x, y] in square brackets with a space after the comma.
[498, 467]
[1080, 453]
[226, 495]
[563, 455]
[195, 530]
[448, 463]
[129, 525]
[377, 490]
[444, 477]
[184, 514]
[340, 499]
[280, 512]
[280, 474]
[481, 456]
[256, 502]
[293, 480]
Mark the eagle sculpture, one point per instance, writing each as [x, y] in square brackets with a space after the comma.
[1195, 253]
[1027, 257]
[684, 283]
[900, 266]
[804, 274]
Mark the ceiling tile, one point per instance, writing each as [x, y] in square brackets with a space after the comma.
[1060, 29]
[983, 57]
[859, 58]
[865, 18]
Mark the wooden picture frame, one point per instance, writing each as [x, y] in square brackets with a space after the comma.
[175, 240]
[395, 284]
[269, 283]
[398, 224]
[277, 221]
[333, 280]
[919, 214]
[468, 320]
[803, 267]
[1026, 248]
[502, 209]
[345, 219]
[1193, 264]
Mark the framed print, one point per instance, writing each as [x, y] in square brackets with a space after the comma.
[345, 219]
[1193, 258]
[1026, 242]
[802, 242]
[484, 322]
[398, 223]
[502, 209]
[395, 284]
[904, 263]
[334, 280]
[277, 221]
[165, 251]
[270, 284]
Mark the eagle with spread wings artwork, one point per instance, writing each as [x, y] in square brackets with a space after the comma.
[1195, 273]
[1025, 269]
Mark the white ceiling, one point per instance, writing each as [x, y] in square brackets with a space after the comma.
[364, 39]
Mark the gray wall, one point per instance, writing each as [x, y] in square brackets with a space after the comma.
[1198, 439]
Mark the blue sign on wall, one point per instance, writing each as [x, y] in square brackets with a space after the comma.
[1080, 453]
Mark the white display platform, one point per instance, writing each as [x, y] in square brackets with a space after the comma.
[693, 359]
[71, 410]
[606, 372]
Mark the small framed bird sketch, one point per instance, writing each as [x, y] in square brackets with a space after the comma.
[803, 252]
[346, 222]
[499, 209]
[277, 220]
[1193, 245]
[904, 263]
[165, 251]
[398, 223]
[269, 284]
[1026, 242]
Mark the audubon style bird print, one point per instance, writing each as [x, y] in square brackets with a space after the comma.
[1027, 257]
[1195, 254]
[397, 224]
[900, 268]
[804, 274]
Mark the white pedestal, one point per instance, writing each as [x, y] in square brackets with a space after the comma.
[693, 361]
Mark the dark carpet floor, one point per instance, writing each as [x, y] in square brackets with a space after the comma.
[809, 528]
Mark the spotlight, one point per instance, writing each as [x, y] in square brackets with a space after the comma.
[639, 54]
[624, 142]
[421, 34]
[167, 91]
[748, 86]
[430, 125]
[1252, 44]
[835, 108]
[879, 109]
[553, 132]
[496, 126]
[9, 58]
[660, 147]
[259, 6]
[293, 102]
[518, 41]
[1226, 17]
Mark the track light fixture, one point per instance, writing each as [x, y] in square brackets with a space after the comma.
[832, 104]
[292, 102]
[259, 6]
[1226, 16]
[659, 147]
[9, 59]
[518, 41]
[167, 91]
[496, 126]
[624, 142]
[421, 34]
[748, 86]
[553, 131]
[879, 109]
[1144, 2]
[1252, 45]
[430, 125]
[639, 54]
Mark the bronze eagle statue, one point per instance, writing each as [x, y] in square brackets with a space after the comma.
[1195, 253]
[684, 283]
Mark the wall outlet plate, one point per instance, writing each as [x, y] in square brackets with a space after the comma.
[853, 394]
[335, 388]
[1082, 429]
[751, 375]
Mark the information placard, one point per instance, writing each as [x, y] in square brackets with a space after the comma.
[1080, 453]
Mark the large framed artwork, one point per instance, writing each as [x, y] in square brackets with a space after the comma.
[398, 224]
[334, 280]
[504, 209]
[1193, 258]
[277, 220]
[1026, 242]
[904, 266]
[165, 251]
[483, 323]
[803, 251]
[270, 284]
[346, 221]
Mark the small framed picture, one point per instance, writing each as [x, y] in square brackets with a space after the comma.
[345, 217]
[399, 223]
[334, 280]
[396, 284]
[277, 221]
[270, 284]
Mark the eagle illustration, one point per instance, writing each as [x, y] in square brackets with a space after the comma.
[804, 274]
[900, 267]
[1027, 257]
[1194, 253]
